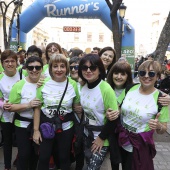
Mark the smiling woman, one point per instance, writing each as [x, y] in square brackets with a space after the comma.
[7, 79]
[56, 113]
[22, 97]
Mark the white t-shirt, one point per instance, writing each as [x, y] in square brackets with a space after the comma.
[23, 92]
[95, 103]
[6, 84]
[50, 94]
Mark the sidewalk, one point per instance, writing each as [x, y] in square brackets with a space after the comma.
[161, 161]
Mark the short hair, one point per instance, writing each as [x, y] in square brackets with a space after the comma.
[19, 52]
[120, 67]
[33, 59]
[34, 48]
[94, 60]
[8, 53]
[155, 64]
[55, 58]
[96, 48]
[49, 46]
[108, 49]
[76, 52]
[74, 60]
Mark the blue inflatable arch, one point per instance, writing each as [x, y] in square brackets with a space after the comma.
[98, 9]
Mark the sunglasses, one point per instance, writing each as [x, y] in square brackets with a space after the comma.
[150, 73]
[30, 68]
[76, 67]
[92, 68]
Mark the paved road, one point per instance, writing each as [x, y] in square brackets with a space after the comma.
[161, 161]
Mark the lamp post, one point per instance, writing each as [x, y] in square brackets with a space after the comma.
[122, 10]
[18, 5]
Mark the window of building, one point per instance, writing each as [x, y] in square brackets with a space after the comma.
[101, 37]
[89, 37]
[76, 37]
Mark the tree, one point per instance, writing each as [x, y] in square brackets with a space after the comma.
[163, 41]
[117, 36]
[4, 9]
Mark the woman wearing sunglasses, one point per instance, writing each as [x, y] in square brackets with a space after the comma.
[140, 118]
[96, 97]
[23, 99]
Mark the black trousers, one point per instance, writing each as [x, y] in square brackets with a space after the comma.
[59, 146]
[27, 158]
[126, 159]
[7, 130]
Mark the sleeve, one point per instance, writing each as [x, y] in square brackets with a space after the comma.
[39, 94]
[15, 94]
[109, 102]
[77, 97]
[164, 117]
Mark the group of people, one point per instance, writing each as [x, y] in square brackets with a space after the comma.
[44, 100]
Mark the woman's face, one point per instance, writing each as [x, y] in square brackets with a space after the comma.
[119, 79]
[34, 70]
[107, 58]
[59, 71]
[74, 71]
[148, 77]
[90, 72]
[52, 50]
[9, 66]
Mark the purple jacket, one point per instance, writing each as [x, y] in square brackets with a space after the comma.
[143, 148]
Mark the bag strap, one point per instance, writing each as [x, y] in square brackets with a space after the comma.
[62, 97]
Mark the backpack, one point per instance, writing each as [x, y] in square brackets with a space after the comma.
[128, 87]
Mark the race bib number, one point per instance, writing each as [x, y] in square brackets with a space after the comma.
[52, 110]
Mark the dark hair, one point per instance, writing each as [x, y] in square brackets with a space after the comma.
[8, 53]
[33, 59]
[114, 59]
[120, 67]
[74, 60]
[34, 48]
[76, 52]
[49, 46]
[94, 60]
[96, 48]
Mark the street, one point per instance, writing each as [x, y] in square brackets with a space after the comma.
[161, 161]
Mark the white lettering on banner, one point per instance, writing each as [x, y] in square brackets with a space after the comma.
[53, 11]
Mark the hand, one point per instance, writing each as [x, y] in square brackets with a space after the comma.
[154, 123]
[78, 109]
[40, 82]
[7, 106]
[37, 137]
[97, 145]
[112, 114]
[164, 100]
[34, 103]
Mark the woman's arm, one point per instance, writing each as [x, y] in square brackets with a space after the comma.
[21, 107]
[77, 108]
[164, 100]
[37, 135]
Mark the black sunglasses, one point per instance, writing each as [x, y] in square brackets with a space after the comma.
[76, 67]
[92, 68]
[150, 73]
[30, 68]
